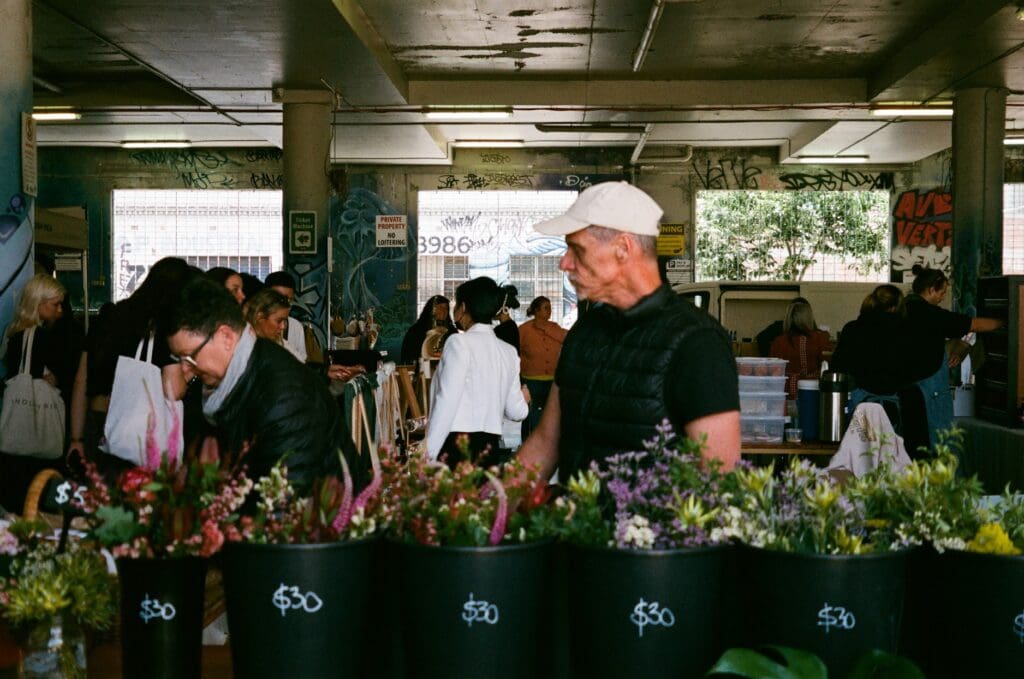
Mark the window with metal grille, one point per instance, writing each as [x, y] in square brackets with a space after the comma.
[241, 230]
[1013, 229]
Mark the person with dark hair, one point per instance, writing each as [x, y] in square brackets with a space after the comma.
[507, 330]
[541, 342]
[477, 381]
[435, 314]
[801, 344]
[250, 284]
[230, 279]
[641, 356]
[928, 360]
[256, 396]
[128, 323]
[294, 333]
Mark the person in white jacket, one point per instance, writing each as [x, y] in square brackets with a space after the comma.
[476, 384]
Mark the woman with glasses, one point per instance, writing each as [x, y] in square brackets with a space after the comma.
[131, 321]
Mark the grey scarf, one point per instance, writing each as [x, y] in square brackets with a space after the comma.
[214, 398]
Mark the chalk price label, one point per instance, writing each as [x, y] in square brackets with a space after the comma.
[289, 598]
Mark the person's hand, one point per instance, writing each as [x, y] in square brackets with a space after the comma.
[526, 394]
[344, 373]
[51, 379]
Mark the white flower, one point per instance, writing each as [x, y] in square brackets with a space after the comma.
[638, 533]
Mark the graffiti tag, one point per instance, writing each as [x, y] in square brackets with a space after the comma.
[827, 180]
[726, 173]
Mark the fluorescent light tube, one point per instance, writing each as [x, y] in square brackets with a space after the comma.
[1013, 141]
[489, 144]
[918, 112]
[156, 144]
[56, 115]
[495, 114]
[832, 160]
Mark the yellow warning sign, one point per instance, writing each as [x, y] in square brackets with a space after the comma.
[672, 240]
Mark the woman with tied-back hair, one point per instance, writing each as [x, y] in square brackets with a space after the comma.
[476, 384]
[40, 306]
[540, 344]
[230, 279]
[435, 313]
[507, 330]
[131, 320]
[929, 362]
[801, 344]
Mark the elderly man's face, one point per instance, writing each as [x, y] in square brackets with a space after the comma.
[592, 266]
[204, 357]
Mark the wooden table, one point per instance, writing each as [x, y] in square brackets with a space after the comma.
[802, 448]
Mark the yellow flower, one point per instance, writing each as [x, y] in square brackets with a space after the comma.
[911, 478]
[992, 539]
[940, 473]
[850, 544]
[823, 495]
[755, 480]
[585, 485]
[690, 511]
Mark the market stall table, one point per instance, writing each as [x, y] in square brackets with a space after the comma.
[789, 448]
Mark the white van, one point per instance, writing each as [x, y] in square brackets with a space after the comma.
[748, 307]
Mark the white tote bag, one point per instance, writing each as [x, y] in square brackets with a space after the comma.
[138, 391]
[32, 419]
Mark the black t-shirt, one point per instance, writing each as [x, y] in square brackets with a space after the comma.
[108, 340]
[931, 326]
[702, 371]
[508, 332]
[875, 350]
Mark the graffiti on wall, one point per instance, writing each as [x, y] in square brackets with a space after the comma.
[829, 180]
[310, 298]
[726, 174]
[922, 231]
[485, 180]
[216, 169]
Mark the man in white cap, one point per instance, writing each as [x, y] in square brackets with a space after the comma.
[641, 356]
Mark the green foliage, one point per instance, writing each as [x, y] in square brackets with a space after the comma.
[116, 526]
[778, 235]
[780, 662]
[75, 584]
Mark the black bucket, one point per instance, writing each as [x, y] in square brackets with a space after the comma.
[470, 612]
[297, 610]
[985, 594]
[922, 640]
[839, 607]
[640, 613]
[162, 617]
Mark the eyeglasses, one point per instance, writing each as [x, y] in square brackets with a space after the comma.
[191, 357]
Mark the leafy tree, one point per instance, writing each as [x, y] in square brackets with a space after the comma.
[779, 235]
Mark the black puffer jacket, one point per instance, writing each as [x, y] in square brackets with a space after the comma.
[280, 406]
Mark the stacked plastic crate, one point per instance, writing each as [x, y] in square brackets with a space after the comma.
[762, 399]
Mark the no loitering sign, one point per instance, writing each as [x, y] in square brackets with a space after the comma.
[392, 231]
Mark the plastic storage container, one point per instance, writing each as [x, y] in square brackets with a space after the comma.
[762, 403]
[761, 428]
[762, 385]
[761, 367]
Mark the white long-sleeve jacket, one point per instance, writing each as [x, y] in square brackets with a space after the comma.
[475, 386]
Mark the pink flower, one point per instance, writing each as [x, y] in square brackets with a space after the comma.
[213, 539]
[210, 452]
[344, 515]
[153, 456]
[501, 517]
[172, 439]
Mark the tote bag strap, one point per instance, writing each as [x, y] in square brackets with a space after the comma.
[27, 340]
[149, 351]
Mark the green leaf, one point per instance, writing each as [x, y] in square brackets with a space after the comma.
[747, 662]
[878, 664]
[118, 525]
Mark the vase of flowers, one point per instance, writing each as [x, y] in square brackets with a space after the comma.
[815, 575]
[162, 521]
[297, 572]
[648, 535]
[475, 559]
[51, 599]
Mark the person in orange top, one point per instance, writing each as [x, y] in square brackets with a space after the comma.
[802, 344]
[540, 342]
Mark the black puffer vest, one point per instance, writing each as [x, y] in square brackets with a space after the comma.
[612, 373]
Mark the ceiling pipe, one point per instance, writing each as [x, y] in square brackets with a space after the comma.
[641, 143]
[648, 35]
[47, 85]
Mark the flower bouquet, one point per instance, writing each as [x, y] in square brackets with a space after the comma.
[161, 520]
[647, 560]
[297, 571]
[473, 548]
[51, 599]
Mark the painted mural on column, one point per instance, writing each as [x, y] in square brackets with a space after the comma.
[922, 228]
[16, 209]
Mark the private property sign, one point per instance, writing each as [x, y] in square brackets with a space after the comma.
[392, 231]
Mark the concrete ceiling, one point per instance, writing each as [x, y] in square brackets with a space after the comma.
[797, 75]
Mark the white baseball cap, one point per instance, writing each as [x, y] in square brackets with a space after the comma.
[613, 205]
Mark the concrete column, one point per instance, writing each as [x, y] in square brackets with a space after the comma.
[16, 209]
[979, 116]
[307, 187]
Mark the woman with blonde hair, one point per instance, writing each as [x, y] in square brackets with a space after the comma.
[39, 307]
[267, 313]
[801, 344]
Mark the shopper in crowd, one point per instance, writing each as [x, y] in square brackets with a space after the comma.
[250, 284]
[507, 330]
[476, 384]
[801, 344]
[256, 396]
[39, 306]
[435, 314]
[641, 356]
[119, 334]
[267, 313]
[932, 326]
[230, 279]
[294, 333]
[774, 329]
[540, 343]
